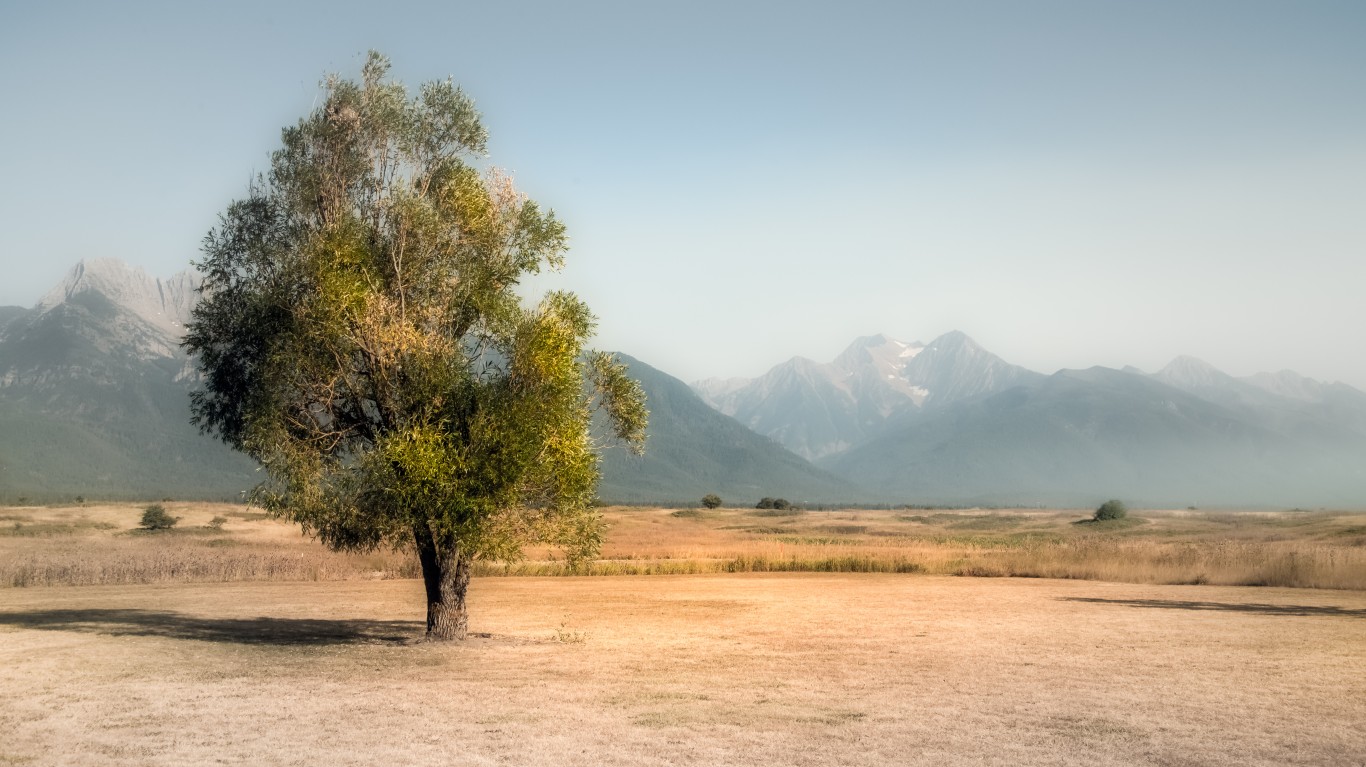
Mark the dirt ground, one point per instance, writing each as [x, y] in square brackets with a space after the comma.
[800, 669]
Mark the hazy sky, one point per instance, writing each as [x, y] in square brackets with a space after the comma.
[1070, 183]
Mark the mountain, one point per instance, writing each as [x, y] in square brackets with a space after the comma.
[692, 450]
[94, 394]
[8, 314]
[1284, 402]
[94, 400]
[818, 410]
[1077, 437]
[953, 367]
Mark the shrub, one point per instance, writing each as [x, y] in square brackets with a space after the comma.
[711, 500]
[764, 503]
[217, 523]
[781, 504]
[155, 517]
[1111, 509]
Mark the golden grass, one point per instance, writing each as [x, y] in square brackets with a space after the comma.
[99, 544]
[779, 669]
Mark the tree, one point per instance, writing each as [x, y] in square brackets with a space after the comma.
[764, 503]
[1111, 509]
[711, 500]
[360, 335]
[155, 517]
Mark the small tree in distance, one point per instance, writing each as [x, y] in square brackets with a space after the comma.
[155, 517]
[711, 500]
[1111, 509]
[764, 503]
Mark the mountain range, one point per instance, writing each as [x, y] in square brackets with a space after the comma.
[819, 410]
[949, 422]
[93, 393]
[94, 401]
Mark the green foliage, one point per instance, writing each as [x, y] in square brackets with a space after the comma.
[362, 337]
[1111, 509]
[789, 512]
[781, 504]
[216, 523]
[711, 500]
[765, 503]
[155, 517]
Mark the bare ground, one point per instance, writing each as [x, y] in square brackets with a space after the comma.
[801, 669]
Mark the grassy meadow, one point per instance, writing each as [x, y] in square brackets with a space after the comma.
[101, 544]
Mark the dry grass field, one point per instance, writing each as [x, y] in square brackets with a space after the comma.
[748, 669]
[250, 645]
[98, 544]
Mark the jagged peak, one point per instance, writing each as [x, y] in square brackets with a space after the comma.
[163, 303]
[1288, 383]
[878, 350]
[952, 341]
[1187, 362]
[799, 363]
[1185, 370]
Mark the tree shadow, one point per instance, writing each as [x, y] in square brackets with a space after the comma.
[1257, 608]
[251, 631]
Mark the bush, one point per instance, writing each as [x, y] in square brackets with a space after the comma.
[217, 523]
[711, 500]
[781, 504]
[1111, 509]
[764, 503]
[155, 517]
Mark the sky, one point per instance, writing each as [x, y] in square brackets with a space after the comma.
[1069, 183]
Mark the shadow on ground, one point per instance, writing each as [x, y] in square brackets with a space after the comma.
[1260, 609]
[254, 631]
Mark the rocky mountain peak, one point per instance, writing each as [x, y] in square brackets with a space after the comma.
[164, 304]
[953, 367]
[1288, 384]
[886, 355]
[1185, 372]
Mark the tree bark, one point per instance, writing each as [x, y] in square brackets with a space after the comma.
[446, 574]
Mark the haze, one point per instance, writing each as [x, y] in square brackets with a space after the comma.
[1069, 183]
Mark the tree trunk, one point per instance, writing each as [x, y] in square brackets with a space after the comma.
[446, 574]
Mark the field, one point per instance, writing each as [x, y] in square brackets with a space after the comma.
[296, 656]
[99, 545]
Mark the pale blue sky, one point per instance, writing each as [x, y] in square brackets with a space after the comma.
[1070, 183]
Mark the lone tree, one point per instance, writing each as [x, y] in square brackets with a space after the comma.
[155, 517]
[1111, 509]
[711, 500]
[360, 335]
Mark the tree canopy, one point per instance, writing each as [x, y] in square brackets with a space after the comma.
[361, 336]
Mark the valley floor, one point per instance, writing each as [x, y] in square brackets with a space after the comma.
[745, 669]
